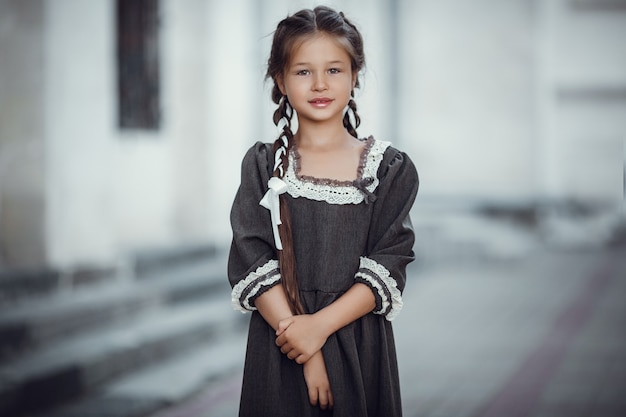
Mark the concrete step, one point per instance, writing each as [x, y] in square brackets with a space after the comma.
[65, 370]
[165, 384]
[149, 262]
[35, 322]
[23, 284]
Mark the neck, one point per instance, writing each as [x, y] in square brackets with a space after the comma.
[322, 136]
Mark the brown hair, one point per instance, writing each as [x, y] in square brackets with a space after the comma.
[289, 32]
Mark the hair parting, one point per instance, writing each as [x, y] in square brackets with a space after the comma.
[289, 32]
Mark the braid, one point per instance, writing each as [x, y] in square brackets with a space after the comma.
[286, 257]
[283, 143]
[346, 119]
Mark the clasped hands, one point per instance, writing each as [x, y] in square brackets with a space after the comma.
[300, 337]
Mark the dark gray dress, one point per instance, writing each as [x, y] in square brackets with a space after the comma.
[344, 232]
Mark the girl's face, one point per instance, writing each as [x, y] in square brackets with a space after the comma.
[318, 80]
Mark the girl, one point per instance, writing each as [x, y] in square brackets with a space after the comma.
[321, 237]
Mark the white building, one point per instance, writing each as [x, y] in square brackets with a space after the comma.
[511, 101]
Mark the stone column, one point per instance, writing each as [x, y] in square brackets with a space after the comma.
[22, 126]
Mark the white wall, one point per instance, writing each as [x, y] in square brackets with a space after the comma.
[233, 93]
[515, 100]
[112, 191]
[80, 205]
[186, 65]
[582, 107]
[467, 97]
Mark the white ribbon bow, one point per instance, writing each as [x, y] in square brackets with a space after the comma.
[271, 202]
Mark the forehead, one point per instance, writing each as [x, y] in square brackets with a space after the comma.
[318, 48]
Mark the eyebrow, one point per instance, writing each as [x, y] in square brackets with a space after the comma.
[328, 63]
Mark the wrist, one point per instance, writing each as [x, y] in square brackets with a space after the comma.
[325, 322]
[316, 357]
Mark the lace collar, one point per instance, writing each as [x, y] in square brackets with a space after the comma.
[335, 191]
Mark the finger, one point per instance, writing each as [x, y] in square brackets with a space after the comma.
[292, 354]
[303, 357]
[323, 399]
[313, 396]
[286, 348]
[281, 340]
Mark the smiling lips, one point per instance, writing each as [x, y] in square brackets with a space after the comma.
[320, 102]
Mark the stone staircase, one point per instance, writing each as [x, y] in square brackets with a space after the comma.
[123, 345]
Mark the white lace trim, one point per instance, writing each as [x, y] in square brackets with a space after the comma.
[332, 193]
[258, 278]
[395, 304]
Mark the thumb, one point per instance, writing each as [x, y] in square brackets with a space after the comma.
[282, 325]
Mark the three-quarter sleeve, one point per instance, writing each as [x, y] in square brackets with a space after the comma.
[252, 263]
[391, 237]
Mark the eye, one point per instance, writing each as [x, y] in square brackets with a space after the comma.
[303, 72]
[334, 71]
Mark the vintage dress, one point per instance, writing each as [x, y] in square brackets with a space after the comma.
[344, 232]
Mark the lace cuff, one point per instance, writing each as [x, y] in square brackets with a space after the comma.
[255, 284]
[388, 297]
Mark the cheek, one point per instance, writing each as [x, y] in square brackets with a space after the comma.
[295, 87]
[348, 88]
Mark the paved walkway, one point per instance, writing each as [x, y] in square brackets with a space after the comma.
[542, 335]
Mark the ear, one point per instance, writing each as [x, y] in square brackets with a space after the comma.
[281, 85]
[355, 78]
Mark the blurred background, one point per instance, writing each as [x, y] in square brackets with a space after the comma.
[122, 128]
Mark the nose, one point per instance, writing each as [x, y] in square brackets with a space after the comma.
[319, 82]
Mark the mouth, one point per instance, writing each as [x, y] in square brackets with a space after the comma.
[321, 101]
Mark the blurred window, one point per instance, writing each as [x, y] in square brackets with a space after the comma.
[138, 64]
